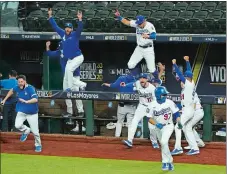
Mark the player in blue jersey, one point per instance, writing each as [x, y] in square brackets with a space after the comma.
[77, 84]
[9, 113]
[70, 47]
[125, 109]
[27, 109]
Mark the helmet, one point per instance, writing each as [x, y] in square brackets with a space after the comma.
[161, 94]
[188, 74]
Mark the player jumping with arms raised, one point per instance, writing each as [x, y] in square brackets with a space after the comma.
[145, 34]
[188, 109]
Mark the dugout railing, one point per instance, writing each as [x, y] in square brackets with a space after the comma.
[90, 96]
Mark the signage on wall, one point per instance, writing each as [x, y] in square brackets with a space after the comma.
[217, 74]
[31, 56]
[91, 71]
[119, 71]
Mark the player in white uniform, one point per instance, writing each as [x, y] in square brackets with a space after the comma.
[161, 112]
[198, 115]
[187, 102]
[146, 96]
[145, 34]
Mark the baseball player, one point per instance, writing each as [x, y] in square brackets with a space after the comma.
[124, 108]
[77, 84]
[145, 34]
[155, 82]
[160, 113]
[146, 95]
[187, 102]
[70, 45]
[27, 109]
[198, 115]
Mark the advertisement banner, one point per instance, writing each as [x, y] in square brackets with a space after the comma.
[217, 74]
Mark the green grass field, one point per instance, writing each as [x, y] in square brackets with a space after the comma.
[34, 164]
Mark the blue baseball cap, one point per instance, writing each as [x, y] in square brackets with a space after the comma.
[188, 74]
[68, 25]
[140, 19]
[154, 80]
[143, 75]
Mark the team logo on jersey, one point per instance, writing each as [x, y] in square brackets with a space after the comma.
[161, 112]
[142, 31]
[145, 95]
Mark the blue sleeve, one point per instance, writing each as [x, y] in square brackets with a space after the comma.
[130, 85]
[15, 89]
[3, 83]
[152, 35]
[188, 66]
[179, 73]
[56, 28]
[116, 84]
[176, 115]
[32, 92]
[79, 29]
[53, 54]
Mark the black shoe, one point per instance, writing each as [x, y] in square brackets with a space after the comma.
[66, 115]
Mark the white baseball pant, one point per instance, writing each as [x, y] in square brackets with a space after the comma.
[71, 66]
[153, 134]
[33, 123]
[140, 112]
[127, 110]
[77, 84]
[140, 53]
[198, 115]
[164, 135]
[186, 116]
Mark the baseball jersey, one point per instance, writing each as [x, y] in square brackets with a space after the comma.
[188, 93]
[27, 93]
[148, 29]
[146, 95]
[162, 113]
[197, 102]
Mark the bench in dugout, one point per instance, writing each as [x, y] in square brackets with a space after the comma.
[68, 123]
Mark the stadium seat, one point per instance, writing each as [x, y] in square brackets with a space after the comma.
[113, 5]
[87, 18]
[209, 6]
[60, 17]
[86, 6]
[152, 6]
[182, 21]
[146, 14]
[155, 18]
[211, 21]
[139, 6]
[131, 15]
[181, 6]
[125, 6]
[195, 6]
[166, 6]
[197, 24]
[31, 23]
[221, 6]
[59, 6]
[99, 6]
[168, 21]
[222, 24]
[72, 6]
[99, 19]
